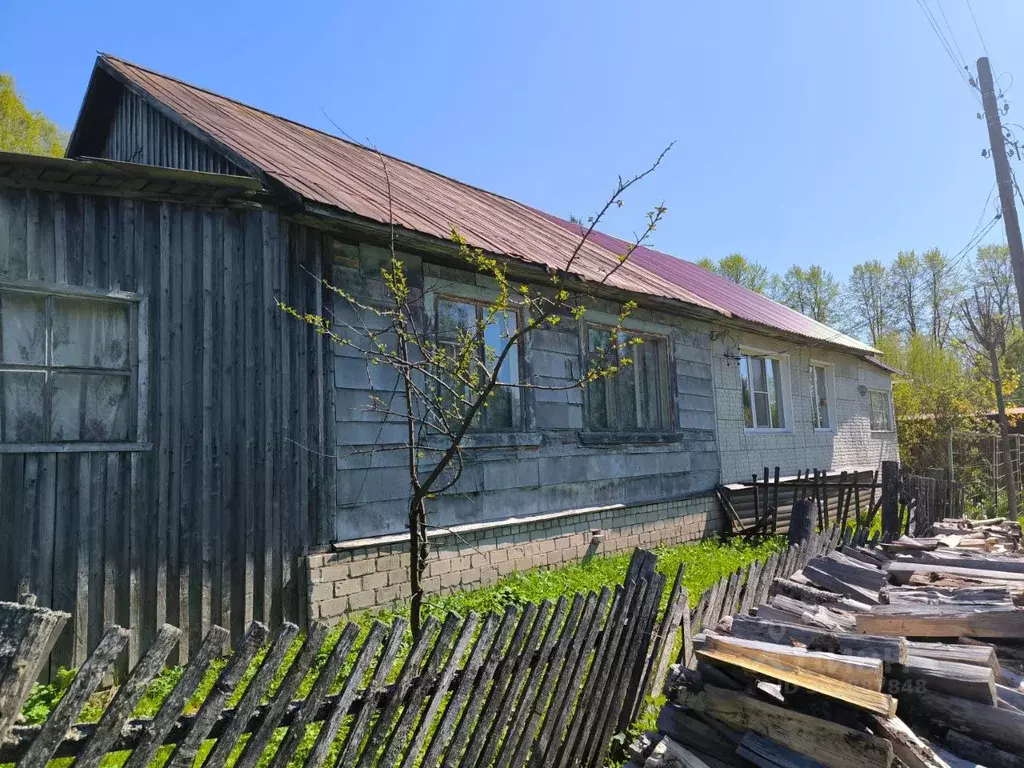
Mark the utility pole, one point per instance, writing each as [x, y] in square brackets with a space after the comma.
[1003, 177]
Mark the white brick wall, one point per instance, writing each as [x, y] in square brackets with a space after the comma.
[850, 443]
[376, 574]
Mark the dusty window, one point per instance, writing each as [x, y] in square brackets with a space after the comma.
[881, 410]
[457, 320]
[635, 398]
[65, 369]
[761, 379]
[821, 416]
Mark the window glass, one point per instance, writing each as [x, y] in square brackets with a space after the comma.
[455, 319]
[22, 328]
[636, 396]
[42, 337]
[21, 393]
[761, 382]
[89, 407]
[881, 412]
[819, 392]
[90, 334]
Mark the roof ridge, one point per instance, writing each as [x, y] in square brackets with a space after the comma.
[349, 141]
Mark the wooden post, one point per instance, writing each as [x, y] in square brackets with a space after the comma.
[890, 498]
[801, 521]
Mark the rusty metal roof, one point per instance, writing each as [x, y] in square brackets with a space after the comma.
[332, 171]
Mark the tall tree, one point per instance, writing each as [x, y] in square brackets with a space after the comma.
[992, 268]
[22, 130]
[943, 286]
[906, 274]
[739, 269]
[870, 297]
[812, 291]
[987, 318]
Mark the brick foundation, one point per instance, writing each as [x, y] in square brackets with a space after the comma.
[369, 573]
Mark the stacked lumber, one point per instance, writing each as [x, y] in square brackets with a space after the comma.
[909, 652]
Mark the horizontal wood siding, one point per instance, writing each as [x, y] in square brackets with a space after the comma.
[206, 526]
[140, 134]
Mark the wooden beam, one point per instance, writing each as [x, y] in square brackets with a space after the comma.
[892, 649]
[866, 673]
[912, 751]
[855, 696]
[901, 572]
[1001, 727]
[978, 655]
[964, 680]
[1005, 624]
[827, 742]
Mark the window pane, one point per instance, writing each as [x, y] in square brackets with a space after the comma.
[748, 413]
[454, 316]
[90, 334]
[599, 340]
[880, 412]
[21, 394]
[761, 409]
[821, 397]
[496, 336]
[89, 407]
[498, 414]
[23, 324]
[778, 401]
[758, 371]
[597, 404]
[625, 398]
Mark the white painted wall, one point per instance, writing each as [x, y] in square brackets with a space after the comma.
[850, 443]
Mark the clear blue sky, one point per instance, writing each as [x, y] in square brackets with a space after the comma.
[828, 131]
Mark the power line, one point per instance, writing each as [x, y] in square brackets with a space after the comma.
[977, 28]
[963, 61]
[960, 66]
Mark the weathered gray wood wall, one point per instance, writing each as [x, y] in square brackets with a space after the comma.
[140, 134]
[203, 521]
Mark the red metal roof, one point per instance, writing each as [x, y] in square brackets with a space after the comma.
[329, 170]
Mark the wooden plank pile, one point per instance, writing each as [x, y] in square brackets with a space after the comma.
[908, 652]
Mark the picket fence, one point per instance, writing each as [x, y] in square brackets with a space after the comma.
[544, 684]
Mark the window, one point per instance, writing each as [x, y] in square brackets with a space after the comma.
[65, 368]
[821, 416]
[456, 319]
[763, 392]
[635, 398]
[881, 410]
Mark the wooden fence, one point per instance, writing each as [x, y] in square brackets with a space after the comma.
[845, 498]
[539, 685]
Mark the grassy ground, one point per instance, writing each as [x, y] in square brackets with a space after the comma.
[706, 562]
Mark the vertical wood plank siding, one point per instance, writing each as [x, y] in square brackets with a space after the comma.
[140, 134]
[207, 526]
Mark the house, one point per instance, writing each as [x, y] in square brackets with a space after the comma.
[175, 448]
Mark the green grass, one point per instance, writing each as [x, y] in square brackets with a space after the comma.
[706, 562]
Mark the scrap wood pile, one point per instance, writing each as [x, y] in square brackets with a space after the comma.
[906, 652]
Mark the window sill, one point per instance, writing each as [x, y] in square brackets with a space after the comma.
[766, 431]
[824, 431]
[626, 438]
[883, 432]
[484, 440]
[75, 447]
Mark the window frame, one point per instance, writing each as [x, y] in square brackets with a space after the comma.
[136, 372]
[890, 414]
[518, 405]
[830, 389]
[786, 391]
[666, 396]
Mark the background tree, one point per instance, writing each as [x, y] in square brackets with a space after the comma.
[986, 316]
[943, 287]
[452, 376]
[740, 270]
[812, 291]
[22, 130]
[905, 274]
[870, 298]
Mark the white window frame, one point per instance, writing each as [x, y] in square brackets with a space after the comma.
[830, 394]
[787, 399]
[892, 416]
[138, 373]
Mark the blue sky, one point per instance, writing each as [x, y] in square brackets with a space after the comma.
[827, 131]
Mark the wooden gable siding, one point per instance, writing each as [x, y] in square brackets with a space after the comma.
[207, 525]
[140, 134]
